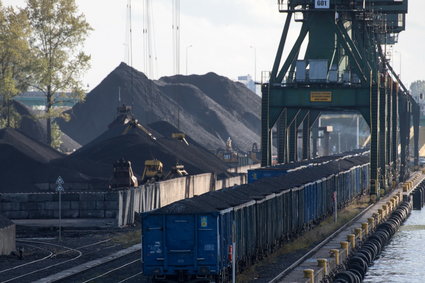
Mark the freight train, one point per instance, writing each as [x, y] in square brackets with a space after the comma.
[191, 239]
[282, 169]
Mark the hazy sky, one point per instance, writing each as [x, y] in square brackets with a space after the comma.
[220, 32]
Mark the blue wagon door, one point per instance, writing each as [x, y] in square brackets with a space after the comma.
[153, 245]
[180, 245]
[208, 249]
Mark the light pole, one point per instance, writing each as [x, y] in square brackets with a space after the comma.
[187, 48]
[255, 62]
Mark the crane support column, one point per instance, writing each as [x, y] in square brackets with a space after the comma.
[404, 135]
[292, 146]
[266, 149]
[395, 134]
[374, 142]
[383, 133]
[306, 137]
[389, 131]
[416, 121]
[282, 137]
[314, 132]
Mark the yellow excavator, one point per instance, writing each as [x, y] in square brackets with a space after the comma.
[153, 171]
[177, 171]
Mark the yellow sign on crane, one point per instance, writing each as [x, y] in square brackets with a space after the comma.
[320, 96]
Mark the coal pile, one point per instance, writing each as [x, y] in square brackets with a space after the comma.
[4, 222]
[36, 128]
[26, 162]
[234, 97]
[209, 108]
[133, 142]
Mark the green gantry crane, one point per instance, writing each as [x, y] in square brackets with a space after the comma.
[342, 67]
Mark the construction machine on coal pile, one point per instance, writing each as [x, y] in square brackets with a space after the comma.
[124, 116]
[177, 171]
[180, 137]
[153, 172]
[123, 175]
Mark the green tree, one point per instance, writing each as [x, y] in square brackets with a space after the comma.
[56, 136]
[15, 61]
[58, 32]
[9, 118]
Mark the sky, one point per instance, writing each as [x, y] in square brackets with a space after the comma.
[229, 37]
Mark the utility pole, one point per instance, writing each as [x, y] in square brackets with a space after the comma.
[176, 36]
[255, 62]
[187, 48]
[60, 189]
[149, 47]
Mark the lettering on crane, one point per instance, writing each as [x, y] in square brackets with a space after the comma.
[321, 4]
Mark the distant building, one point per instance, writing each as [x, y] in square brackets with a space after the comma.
[248, 82]
[37, 99]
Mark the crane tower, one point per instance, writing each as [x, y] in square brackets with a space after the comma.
[343, 67]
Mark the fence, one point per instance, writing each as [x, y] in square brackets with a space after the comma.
[120, 205]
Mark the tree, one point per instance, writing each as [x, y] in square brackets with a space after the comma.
[9, 118]
[14, 61]
[58, 32]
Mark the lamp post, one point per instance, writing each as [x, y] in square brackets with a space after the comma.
[187, 49]
[255, 62]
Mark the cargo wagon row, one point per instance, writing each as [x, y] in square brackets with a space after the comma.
[191, 240]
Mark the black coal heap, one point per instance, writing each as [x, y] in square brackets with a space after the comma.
[25, 162]
[211, 108]
[136, 143]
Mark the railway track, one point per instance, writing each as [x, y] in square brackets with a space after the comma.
[283, 273]
[50, 254]
[123, 269]
[58, 257]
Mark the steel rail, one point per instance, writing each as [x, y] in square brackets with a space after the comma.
[112, 270]
[79, 254]
[86, 246]
[31, 262]
[321, 244]
[131, 277]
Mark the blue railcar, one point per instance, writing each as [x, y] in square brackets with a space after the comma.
[261, 173]
[283, 169]
[186, 246]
